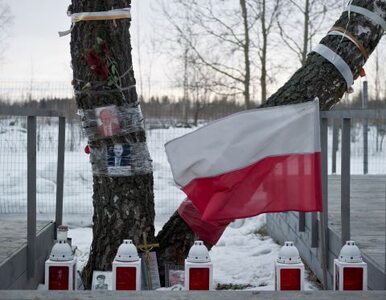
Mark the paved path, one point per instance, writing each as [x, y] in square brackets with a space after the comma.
[13, 235]
[367, 213]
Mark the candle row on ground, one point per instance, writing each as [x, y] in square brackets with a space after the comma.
[350, 272]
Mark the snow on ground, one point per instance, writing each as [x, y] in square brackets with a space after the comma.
[241, 257]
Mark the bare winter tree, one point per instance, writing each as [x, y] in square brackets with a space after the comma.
[301, 21]
[219, 36]
[124, 206]
[269, 13]
[6, 19]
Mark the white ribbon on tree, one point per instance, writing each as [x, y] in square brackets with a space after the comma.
[114, 14]
[337, 61]
[374, 17]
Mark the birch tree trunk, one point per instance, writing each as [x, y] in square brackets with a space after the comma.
[123, 206]
[317, 78]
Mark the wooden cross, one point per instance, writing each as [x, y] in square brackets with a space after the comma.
[146, 248]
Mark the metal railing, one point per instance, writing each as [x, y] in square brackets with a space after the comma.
[345, 117]
[32, 116]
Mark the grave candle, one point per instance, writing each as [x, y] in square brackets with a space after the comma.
[60, 268]
[198, 268]
[350, 272]
[127, 268]
[289, 269]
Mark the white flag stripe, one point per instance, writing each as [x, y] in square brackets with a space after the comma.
[242, 139]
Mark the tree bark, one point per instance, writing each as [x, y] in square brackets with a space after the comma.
[317, 78]
[123, 206]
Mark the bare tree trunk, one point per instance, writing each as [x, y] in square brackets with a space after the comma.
[123, 206]
[263, 54]
[317, 78]
[306, 31]
[247, 78]
[6, 20]
[186, 87]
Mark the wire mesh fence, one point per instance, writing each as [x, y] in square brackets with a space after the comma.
[165, 119]
[367, 146]
[78, 175]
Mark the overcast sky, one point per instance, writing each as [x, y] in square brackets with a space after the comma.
[35, 50]
[37, 53]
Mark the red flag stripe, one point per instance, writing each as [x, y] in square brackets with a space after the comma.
[273, 184]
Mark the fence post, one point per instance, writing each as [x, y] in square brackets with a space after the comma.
[323, 225]
[31, 195]
[345, 180]
[302, 221]
[60, 172]
[335, 144]
[314, 230]
[365, 100]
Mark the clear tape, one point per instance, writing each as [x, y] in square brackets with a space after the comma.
[375, 18]
[114, 14]
[107, 121]
[119, 160]
[337, 61]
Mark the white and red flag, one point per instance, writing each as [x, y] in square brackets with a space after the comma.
[253, 162]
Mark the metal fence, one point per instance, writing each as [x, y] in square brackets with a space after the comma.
[78, 176]
[354, 197]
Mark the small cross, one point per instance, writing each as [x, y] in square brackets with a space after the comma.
[145, 247]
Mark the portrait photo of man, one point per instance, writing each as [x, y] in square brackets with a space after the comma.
[119, 160]
[101, 285]
[108, 122]
[118, 155]
[101, 280]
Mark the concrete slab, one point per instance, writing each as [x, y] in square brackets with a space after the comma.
[215, 295]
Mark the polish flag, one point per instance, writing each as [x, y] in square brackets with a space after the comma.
[253, 162]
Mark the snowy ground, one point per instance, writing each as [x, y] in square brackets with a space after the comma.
[241, 257]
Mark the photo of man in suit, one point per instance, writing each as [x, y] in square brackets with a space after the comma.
[108, 123]
[118, 155]
[118, 160]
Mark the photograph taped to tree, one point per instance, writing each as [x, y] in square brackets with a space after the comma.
[107, 121]
[127, 159]
[118, 159]
[101, 280]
